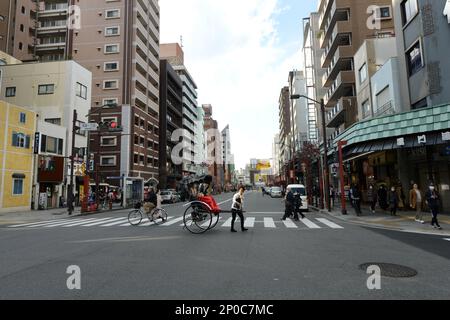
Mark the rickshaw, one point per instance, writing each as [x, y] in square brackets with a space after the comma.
[202, 214]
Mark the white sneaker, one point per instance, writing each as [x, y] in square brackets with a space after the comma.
[422, 222]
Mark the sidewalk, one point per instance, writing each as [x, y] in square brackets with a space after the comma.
[45, 215]
[404, 221]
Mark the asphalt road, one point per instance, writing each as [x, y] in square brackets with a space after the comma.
[316, 259]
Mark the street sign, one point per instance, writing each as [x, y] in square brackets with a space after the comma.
[37, 137]
[89, 126]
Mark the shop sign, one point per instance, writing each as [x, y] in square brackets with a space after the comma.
[422, 139]
[37, 143]
[400, 142]
[446, 136]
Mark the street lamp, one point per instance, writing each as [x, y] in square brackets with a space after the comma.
[325, 146]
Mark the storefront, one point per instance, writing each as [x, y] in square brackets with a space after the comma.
[50, 180]
[399, 150]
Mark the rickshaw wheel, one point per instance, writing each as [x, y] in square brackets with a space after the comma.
[198, 218]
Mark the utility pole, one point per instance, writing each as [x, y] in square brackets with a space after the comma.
[70, 196]
[325, 156]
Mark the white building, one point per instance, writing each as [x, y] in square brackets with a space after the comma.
[276, 155]
[53, 90]
[299, 110]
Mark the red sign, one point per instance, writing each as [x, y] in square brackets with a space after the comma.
[291, 174]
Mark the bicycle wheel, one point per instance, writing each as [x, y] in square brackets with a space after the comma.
[197, 218]
[215, 220]
[135, 217]
[158, 216]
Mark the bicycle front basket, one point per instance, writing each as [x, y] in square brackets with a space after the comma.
[138, 205]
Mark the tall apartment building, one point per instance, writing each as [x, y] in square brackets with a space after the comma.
[191, 122]
[214, 145]
[285, 127]
[300, 120]
[170, 119]
[118, 41]
[344, 25]
[228, 157]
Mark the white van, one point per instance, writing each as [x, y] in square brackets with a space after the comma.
[300, 189]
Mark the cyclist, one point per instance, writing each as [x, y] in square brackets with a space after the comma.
[151, 201]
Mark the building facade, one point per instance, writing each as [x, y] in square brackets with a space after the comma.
[17, 129]
[170, 120]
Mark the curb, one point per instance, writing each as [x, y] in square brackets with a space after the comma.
[375, 226]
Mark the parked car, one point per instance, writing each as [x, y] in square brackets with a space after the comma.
[266, 190]
[168, 196]
[275, 192]
[299, 189]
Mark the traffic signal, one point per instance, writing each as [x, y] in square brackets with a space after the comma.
[111, 126]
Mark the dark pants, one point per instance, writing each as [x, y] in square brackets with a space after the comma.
[357, 206]
[373, 204]
[394, 209]
[235, 212]
[289, 211]
[434, 213]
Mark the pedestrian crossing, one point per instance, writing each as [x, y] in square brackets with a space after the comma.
[250, 222]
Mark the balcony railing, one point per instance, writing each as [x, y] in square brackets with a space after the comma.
[386, 109]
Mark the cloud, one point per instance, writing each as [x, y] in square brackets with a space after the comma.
[233, 51]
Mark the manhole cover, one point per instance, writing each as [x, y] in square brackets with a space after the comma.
[391, 270]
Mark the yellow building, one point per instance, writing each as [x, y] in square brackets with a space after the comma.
[17, 128]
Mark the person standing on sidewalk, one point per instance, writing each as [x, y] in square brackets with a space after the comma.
[415, 201]
[372, 198]
[393, 201]
[236, 209]
[433, 202]
[355, 195]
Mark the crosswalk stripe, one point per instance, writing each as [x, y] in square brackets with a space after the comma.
[144, 223]
[310, 224]
[269, 223]
[447, 239]
[169, 223]
[34, 223]
[227, 223]
[81, 222]
[329, 223]
[290, 224]
[101, 222]
[122, 220]
[47, 224]
[249, 222]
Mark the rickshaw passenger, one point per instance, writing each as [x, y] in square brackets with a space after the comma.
[205, 194]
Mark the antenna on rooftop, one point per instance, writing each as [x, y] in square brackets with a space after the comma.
[181, 41]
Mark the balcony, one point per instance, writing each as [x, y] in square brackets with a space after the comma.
[56, 12]
[343, 86]
[386, 109]
[342, 61]
[341, 111]
[50, 46]
[341, 37]
[337, 14]
[52, 29]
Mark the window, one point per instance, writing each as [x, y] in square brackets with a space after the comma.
[112, 31]
[111, 66]
[141, 160]
[18, 187]
[409, 10]
[46, 89]
[22, 10]
[414, 59]
[136, 158]
[112, 14]
[110, 103]
[20, 45]
[385, 12]
[110, 84]
[109, 141]
[51, 145]
[111, 48]
[20, 140]
[363, 73]
[108, 161]
[420, 104]
[366, 109]
[10, 92]
[56, 121]
[81, 91]
[23, 117]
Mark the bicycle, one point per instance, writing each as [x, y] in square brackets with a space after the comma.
[157, 215]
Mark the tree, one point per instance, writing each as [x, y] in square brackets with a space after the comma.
[308, 153]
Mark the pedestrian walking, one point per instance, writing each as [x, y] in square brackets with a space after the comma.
[416, 200]
[289, 204]
[372, 198]
[393, 201]
[237, 209]
[433, 202]
[382, 197]
[355, 197]
[401, 197]
[297, 206]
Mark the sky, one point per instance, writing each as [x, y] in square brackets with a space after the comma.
[239, 53]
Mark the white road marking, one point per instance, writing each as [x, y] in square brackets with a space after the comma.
[169, 223]
[249, 223]
[122, 220]
[46, 225]
[310, 224]
[227, 223]
[447, 239]
[269, 223]
[101, 222]
[35, 223]
[83, 222]
[329, 223]
[290, 224]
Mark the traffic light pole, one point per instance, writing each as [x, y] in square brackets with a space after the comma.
[341, 176]
[70, 196]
